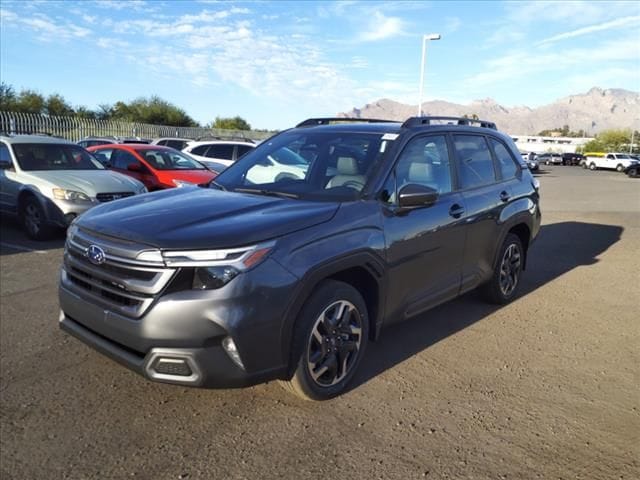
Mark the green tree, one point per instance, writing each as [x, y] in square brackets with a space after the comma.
[7, 97]
[152, 110]
[235, 123]
[56, 105]
[609, 141]
[30, 101]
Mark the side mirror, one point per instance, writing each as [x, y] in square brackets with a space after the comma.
[414, 195]
[5, 165]
[134, 167]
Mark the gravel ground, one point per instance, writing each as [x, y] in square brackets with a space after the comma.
[546, 387]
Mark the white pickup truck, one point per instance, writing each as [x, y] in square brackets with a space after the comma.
[611, 161]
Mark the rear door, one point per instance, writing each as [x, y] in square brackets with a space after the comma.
[485, 195]
[425, 245]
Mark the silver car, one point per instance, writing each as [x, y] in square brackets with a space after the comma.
[47, 182]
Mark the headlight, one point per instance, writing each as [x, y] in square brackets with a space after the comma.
[210, 278]
[181, 183]
[71, 195]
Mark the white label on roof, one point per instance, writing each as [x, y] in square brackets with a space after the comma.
[390, 136]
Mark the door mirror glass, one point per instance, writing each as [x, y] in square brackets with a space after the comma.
[414, 195]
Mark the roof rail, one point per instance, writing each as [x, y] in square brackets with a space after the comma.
[417, 121]
[310, 122]
[234, 138]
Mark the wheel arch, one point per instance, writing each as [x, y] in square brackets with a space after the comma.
[363, 270]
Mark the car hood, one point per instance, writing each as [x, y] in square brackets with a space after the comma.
[203, 218]
[192, 176]
[90, 182]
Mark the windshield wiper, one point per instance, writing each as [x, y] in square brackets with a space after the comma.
[270, 193]
[216, 184]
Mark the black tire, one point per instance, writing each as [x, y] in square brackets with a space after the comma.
[592, 166]
[34, 220]
[336, 353]
[632, 172]
[619, 168]
[506, 271]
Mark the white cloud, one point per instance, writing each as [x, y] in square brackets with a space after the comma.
[89, 19]
[381, 27]
[111, 43]
[49, 31]
[617, 23]
[452, 24]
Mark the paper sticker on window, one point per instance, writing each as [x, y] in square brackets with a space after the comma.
[390, 136]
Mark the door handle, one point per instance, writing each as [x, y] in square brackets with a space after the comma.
[504, 196]
[456, 210]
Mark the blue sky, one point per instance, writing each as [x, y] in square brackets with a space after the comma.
[276, 63]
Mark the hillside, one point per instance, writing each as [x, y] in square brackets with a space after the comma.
[593, 111]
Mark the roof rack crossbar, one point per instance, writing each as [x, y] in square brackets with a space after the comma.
[310, 122]
[417, 121]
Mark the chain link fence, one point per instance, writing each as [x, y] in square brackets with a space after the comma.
[76, 128]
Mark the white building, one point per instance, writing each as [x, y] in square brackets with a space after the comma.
[537, 144]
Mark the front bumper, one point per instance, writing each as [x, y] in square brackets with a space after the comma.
[188, 327]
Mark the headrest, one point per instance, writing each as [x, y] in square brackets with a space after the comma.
[421, 172]
[347, 166]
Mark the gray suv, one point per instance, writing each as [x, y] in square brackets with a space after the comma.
[47, 182]
[290, 278]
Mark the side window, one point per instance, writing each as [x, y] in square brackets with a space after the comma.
[177, 144]
[475, 165]
[121, 159]
[242, 149]
[5, 156]
[424, 161]
[104, 156]
[224, 152]
[506, 163]
[200, 150]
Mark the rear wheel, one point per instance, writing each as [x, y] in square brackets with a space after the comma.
[592, 166]
[329, 340]
[619, 168]
[34, 220]
[506, 276]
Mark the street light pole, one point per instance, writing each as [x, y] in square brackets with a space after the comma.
[425, 38]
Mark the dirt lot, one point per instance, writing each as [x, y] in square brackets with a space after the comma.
[547, 387]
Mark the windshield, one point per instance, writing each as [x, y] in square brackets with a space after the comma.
[623, 156]
[331, 166]
[54, 156]
[162, 159]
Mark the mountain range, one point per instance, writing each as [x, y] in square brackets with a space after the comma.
[598, 109]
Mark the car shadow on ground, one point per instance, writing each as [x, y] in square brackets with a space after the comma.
[560, 248]
[13, 240]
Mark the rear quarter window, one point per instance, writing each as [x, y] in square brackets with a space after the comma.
[506, 162]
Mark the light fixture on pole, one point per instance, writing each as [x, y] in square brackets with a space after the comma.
[425, 38]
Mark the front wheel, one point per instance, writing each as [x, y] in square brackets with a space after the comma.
[506, 275]
[329, 340]
[34, 220]
[633, 172]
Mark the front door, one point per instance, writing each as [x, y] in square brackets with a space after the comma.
[424, 246]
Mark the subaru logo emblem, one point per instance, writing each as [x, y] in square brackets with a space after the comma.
[95, 255]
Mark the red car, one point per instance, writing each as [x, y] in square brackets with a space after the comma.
[156, 166]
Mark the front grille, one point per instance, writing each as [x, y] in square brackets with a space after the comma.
[121, 284]
[107, 197]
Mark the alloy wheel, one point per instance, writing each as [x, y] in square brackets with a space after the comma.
[32, 219]
[510, 269]
[334, 343]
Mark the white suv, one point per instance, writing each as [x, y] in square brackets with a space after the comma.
[47, 182]
[214, 153]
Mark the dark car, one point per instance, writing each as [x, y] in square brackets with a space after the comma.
[572, 159]
[633, 170]
[245, 282]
